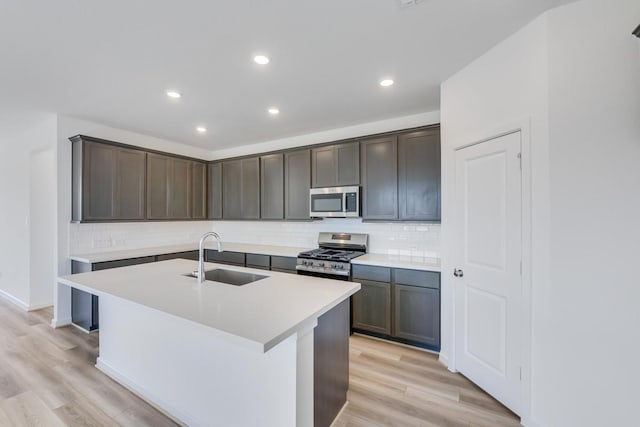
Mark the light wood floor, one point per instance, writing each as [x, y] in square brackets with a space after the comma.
[48, 378]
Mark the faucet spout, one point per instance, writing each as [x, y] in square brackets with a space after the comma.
[201, 252]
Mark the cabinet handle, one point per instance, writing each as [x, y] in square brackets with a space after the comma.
[458, 272]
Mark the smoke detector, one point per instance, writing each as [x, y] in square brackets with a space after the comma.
[402, 4]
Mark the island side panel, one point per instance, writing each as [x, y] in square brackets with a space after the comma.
[194, 374]
[331, 364]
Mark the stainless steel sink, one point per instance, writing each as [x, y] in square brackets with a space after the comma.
[230, 277]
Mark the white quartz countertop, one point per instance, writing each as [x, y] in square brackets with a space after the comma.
[399, 261]
[168, 249]
[261, 314]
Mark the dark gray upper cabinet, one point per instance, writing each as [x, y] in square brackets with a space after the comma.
[169, 186]
[379, 176]
[297, 167]
[336, 165]
[214, 177]
[108, 182]
[272, 186]
[419, 175]
[241, 189]
[198, 191]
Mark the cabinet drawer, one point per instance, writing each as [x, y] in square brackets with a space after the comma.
[258, 261]
[233, 258]
[425, 279]
[283, 263]
[122, 263]
[367, 272]
[192, 255]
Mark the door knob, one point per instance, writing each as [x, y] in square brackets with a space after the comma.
[457, 272]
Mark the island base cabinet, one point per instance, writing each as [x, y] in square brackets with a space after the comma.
[331, 364]
[196, 375]
[199, 376]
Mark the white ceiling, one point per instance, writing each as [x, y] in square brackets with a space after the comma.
[111, 61]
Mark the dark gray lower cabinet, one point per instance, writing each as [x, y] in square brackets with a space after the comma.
[398, 304]
[225, 257]
[84, 306]
[331, 364]
[283, 264]
[192, 255]
[372, 307]
[416, 314]
[259, 261]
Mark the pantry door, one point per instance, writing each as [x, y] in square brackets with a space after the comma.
[488, 280]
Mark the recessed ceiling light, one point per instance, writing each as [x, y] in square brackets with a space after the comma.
[261, 59]
[273, 111]
[386, 82]
[173, 94]
[201, 129]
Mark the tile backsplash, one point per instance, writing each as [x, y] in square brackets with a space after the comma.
[386, 238]
[104, 237]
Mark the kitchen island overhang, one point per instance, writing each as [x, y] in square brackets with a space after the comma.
[215, 354]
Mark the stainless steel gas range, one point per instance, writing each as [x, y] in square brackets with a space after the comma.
[333, 257]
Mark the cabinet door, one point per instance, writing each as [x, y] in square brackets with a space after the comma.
[272, 186]
[324, 166]
[419, 175]
[215, 190]
[231, 183]
[99, 174]
[336, 165]
[158, 168]
[198, 191]
[241, 189]
[372, 307]
[179, 186]
[129, 197]
[416, 314]
[297, 184]
[348, 168]
[250, 188]
[379, 159]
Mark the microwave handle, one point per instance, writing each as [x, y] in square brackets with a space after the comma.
[344, 201]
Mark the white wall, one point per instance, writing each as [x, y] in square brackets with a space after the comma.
[589, 326]
[27, 189]
[575, 72]
[363, 129]
[503, 90]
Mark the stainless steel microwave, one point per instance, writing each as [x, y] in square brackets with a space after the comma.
[338, 202]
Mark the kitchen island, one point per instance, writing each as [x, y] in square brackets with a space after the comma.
[220, 354]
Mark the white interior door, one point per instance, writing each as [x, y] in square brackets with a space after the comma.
[488, 284]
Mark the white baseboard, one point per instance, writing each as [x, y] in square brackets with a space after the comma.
[166, 408]
[444, 359]
[59, 323]
[17, 301]
[39, 306]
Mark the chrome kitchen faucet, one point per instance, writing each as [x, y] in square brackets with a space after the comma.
[201, 252]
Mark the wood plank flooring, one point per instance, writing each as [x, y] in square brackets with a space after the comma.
[48, 378]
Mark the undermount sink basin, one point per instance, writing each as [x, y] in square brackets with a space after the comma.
[230, 277]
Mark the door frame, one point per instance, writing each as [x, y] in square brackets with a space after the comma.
[524, 127]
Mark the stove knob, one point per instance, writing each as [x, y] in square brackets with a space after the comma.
[321, 264]
[341, 266]
[305, 262]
